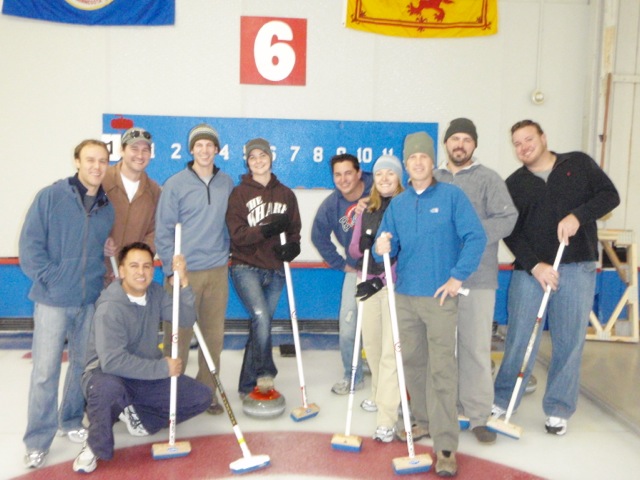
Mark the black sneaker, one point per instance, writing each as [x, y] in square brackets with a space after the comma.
[484, 435]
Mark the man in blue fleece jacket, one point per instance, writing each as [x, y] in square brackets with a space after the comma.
[61, 251]
[436, 235]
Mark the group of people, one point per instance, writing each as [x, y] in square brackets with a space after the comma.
[441, 232]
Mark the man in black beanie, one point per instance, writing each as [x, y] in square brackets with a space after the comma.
[492, 202]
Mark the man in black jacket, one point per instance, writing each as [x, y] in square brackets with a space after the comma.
[559, 197]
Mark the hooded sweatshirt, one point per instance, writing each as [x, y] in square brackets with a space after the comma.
[124, 335]
[250, 206]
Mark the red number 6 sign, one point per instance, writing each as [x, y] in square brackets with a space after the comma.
[273, 51]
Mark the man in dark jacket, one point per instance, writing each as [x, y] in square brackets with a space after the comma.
[559, 197]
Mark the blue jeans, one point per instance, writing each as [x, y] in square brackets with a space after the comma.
[259, 290]
[347, 326]
[568, 316]
[51, 327]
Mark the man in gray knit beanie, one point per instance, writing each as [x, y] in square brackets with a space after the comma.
[488, 193]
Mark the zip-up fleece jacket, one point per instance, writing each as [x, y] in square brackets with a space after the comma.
[136, 220]
[338, 215]
[250, 206]
[62, 245]
[491, 200]
[436, 235]
[575, 185]
[124, 335]
[201, 209]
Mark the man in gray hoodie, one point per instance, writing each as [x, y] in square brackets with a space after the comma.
[492, 202]
[127, 375]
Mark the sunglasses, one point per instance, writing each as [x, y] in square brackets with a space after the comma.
[133, 134]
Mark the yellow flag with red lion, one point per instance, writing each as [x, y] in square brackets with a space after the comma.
[424, 18]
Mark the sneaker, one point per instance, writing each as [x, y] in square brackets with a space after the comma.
[215, 409]
[78, 435]
[86, 461]
[446, 465]
[265, 384]
[417, 433]
[484, 435]
[497, 412]
[35, 459]
[383, 434]
[556, 425]
[130, 418]
[343, 387]
[532, 384]
[369, 406]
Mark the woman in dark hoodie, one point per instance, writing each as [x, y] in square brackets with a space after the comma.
[260, 209]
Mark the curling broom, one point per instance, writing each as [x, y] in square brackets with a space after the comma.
[248, 462]
[504, 426]
[307, 410]
[173, 449]
[348, 442]
[413, 463]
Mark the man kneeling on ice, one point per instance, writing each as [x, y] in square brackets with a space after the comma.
[126, 375]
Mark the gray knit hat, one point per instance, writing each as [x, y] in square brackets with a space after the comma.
[419, 142]
[203, 131]
[391, 162]
[260, 144]
[462, 125]
[135, 134]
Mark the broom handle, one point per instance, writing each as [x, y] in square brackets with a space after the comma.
[398, 348]
[174, 340]
[114, 266]
[356, 344]
[294, 324]
[225, 401]
[532, 339]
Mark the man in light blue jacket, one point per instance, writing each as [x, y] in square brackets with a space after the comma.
[197, 198]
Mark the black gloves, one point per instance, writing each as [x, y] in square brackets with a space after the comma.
[366, 242]
[287, 252]
[368, 289]
[278, 223]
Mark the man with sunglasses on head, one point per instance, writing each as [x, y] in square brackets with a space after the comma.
[133, 194]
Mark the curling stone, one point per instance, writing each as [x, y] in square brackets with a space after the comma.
[263, 405]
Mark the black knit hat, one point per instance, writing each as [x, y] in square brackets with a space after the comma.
[462, 125]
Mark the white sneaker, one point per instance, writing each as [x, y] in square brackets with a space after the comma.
[343, 387]
[131, 419]
[497, 412]
[556, 425]
[369, 406]
[35, 459]
[86, 461]
[78, 435]
[265, 384]
[383, 434]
